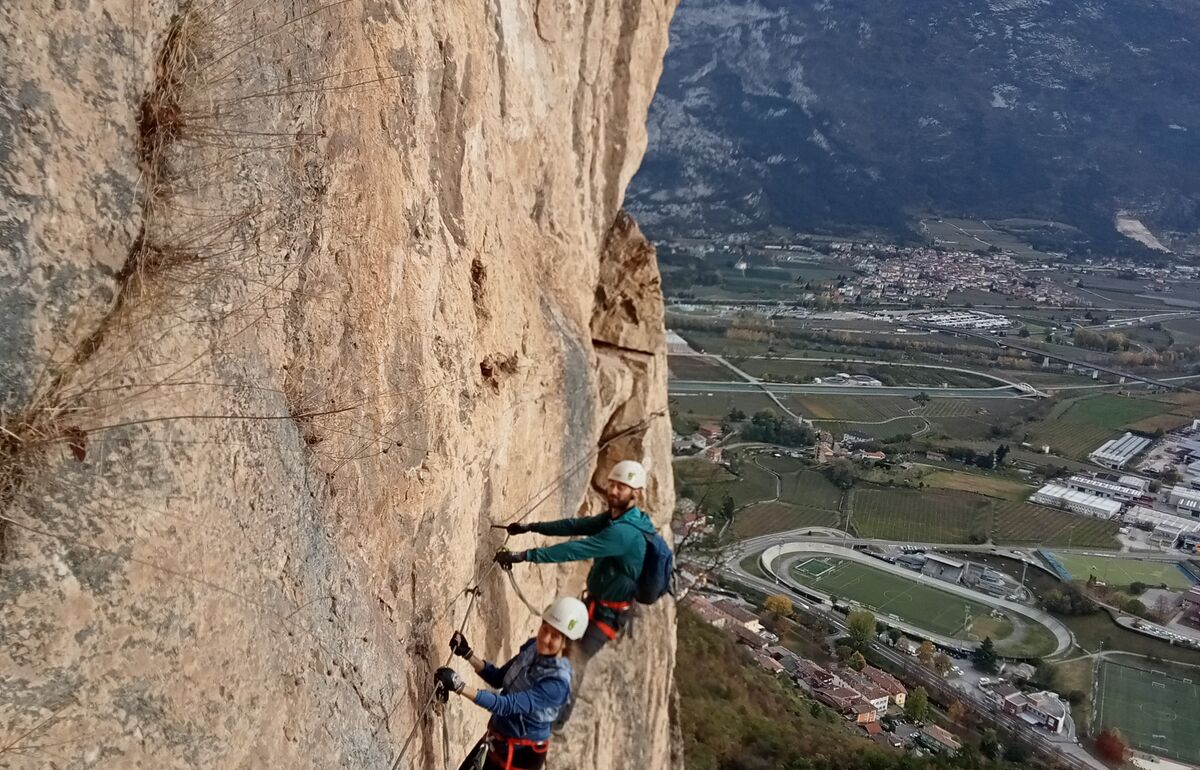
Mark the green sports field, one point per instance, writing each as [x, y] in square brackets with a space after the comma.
[1121, 572]
[1153, 703]
[936, 611]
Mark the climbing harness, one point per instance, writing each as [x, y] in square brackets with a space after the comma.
[618, 608]
[505, 751]
[475, 590]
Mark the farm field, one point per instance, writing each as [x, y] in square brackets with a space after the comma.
[954, 516]
[1021, 523]
[1152, 703]
[850, 408]
[688, 411]
[989, 486]
[805, 371]
[1118, 571]
[892, 427]
[1076, 426]
[767, 518]
[711, 483]
[922, 516]
[926, 607]
[702, 369]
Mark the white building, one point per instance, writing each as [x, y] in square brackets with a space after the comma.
[1139, 514]
[1112, 490]
[1059, 496]
[1114, 454]
[1186, 502]
[677, 344]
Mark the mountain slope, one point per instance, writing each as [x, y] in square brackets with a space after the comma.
[852, 113]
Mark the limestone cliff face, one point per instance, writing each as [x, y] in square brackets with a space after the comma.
[299, 298]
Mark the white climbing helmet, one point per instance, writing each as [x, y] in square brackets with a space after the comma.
[568, 615]
[631, 473]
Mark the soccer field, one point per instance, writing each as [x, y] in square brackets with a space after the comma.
[1153, 704]
[1122, 572]
[924, 606]
[938, 611]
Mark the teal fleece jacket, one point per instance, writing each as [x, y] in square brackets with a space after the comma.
[618, 547]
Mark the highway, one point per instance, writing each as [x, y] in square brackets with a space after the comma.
[1007, 343]
[696, 387]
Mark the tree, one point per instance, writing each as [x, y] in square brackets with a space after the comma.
[1134, 607]
[843, 653]
[958, 712]
[989, 744]
[916, 706]
[894, 636]
[736, 415]
[861, 625]
[726, 513]
[985, 656]
[843, 473]
[857, 661]
[1001, 452]
[779, 605]
[1111, 745]
[926, 652]
[1016, 752]
[942, 664]
[921, 398]
[1046, 675]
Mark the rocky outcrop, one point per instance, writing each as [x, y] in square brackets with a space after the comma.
[299, 300]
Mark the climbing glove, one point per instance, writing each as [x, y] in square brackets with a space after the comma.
[460, 646]
[506, 558]
[445, 681]
[516, 528]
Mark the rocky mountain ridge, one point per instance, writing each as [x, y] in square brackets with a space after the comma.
[299, 299]
[850, 114]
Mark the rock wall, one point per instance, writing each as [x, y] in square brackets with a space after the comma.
[299, 298]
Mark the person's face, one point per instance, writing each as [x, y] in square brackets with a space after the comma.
[549, 640]
[619, 496]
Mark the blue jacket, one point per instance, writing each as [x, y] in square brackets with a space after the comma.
[533, 689]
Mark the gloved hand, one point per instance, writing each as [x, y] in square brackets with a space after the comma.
[516, 528]
[506, 558]
[460, 646]
[445, 681]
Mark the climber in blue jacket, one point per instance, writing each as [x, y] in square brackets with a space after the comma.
[534, 687]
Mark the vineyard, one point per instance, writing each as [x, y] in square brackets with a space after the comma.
[768, 518]
[950, 516]
[702, 369]
[1076, 426]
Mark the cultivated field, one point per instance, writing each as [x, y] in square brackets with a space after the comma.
[868, 409]
[709, 484]
[917, 376]
[702, 369]
[766, 518]
[1076, 426]
[921, 516]
[953, 516]
[907, 425]
[989, 486]
[1153, 703]
[925, 606]
[1122, 572]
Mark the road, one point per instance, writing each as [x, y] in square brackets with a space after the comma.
[834, 363]
[695, 387]
[1061, 747]
[1006, 342]
[1025, 614]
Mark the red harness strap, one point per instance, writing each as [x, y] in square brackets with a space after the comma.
[510, 746]
[605, 628]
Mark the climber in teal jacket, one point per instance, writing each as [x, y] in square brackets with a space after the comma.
[615, 540]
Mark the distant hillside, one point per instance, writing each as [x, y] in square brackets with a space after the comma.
[738, 717]
[851, 114]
